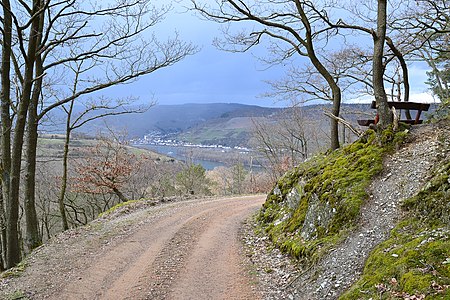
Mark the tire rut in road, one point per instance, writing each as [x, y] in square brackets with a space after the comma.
[192, 265]
[165, 242]
[172, 258]
[115, 272]
[147, 263]
[214, 268]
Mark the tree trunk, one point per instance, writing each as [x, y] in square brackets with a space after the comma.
[336, 95]
[62, 193]
[384, 113]
[69, 128]
[12, 206]
[405, 73]
[5, 120]
[335, 89]
[120, 195]
[32, 236]
[2, 233]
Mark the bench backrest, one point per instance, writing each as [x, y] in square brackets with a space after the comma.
[405, 105]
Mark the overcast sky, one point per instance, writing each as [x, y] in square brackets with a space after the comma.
[213, 75]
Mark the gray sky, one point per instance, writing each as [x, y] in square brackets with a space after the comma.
[213, 75]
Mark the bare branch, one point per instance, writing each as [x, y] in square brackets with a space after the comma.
[347, 124]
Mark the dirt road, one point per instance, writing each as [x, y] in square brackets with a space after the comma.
[185, 250]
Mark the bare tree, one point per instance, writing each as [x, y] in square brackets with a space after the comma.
[237, 180]
[46, 192]
[294, 28]
[411, 29]
[379, 38]
[304, 84]
[105, 168]
[93, 110]
[378, 58]
[8, 216]
[426, 23]
[39, 40]
[282, 140]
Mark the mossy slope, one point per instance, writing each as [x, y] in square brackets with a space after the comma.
[316, 203]
[414, 263]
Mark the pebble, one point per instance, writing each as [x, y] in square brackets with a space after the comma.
[273, 285]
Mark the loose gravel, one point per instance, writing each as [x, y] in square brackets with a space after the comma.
[405, 173]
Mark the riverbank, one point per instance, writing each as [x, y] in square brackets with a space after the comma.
[208, 157]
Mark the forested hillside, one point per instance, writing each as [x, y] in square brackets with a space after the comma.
[180, 118]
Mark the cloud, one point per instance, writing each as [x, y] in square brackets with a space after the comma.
[213, 75]
[423, 98]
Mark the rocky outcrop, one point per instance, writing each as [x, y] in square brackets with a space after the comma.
[409, 174]
[318, 216]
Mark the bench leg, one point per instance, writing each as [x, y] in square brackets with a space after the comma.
[416, 121]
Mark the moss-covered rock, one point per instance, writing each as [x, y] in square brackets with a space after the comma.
[318, 217]
[315, 204]
[433, 202]
[415, 261]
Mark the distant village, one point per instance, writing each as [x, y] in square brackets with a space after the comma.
[157, 138]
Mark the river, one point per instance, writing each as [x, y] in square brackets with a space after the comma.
[183, 153]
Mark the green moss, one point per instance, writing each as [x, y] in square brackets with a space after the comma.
[298, 217]
[415, 260]
[15, 271]
[387, 136]
[17, 295]
[433, 202]
[339, 180]
[411, 262]
[415, 281]
[118, 206]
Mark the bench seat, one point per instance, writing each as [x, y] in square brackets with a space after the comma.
[372, 121]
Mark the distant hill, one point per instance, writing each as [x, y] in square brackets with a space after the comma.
[221, 123]
[227, 124]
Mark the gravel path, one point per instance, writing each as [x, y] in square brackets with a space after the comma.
[184, 250]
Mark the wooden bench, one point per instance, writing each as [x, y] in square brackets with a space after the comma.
[419, 107]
